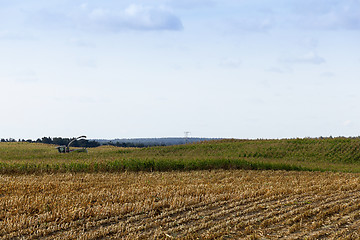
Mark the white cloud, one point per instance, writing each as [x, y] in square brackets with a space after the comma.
[81, 43]
[87, 17]
[347, 122]
[310, 43]
[188, 4]
[283, 69]
[248, 24]
[98, 14]
[305, 14]
[13, 35]
[230, 63]
[308, 58]
[150, 18]
[134, 17]
[327, 14]
[84, 6]
[88, 63]
[328, 74]
[23, 76]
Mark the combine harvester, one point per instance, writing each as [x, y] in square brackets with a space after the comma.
[66, 149]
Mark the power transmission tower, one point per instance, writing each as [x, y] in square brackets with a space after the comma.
[187, 136]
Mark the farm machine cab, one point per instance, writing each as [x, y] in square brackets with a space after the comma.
[66, 149]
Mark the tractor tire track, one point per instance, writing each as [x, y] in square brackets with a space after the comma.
[212, 215]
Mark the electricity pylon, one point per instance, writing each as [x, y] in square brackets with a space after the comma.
[186, 136]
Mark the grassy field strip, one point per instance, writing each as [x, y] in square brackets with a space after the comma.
[330, 154]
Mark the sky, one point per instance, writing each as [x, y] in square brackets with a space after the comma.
[223, 69]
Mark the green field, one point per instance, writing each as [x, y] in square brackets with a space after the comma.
[330, 154]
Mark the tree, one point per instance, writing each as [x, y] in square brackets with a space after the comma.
[46, 140]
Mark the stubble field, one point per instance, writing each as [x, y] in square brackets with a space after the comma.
[217, 204]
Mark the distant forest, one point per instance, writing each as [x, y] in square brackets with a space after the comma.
[149, 142]
[137, 142]
[57, 141]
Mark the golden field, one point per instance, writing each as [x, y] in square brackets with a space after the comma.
[217, 204]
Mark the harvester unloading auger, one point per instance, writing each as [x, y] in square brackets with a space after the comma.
[66, 149]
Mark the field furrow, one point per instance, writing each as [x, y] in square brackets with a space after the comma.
[312, 219]
[170, 221]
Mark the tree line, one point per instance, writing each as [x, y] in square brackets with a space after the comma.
[82, 142]
[57, 141]
[133, 144]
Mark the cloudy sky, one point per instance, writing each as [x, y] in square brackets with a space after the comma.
[229, 68]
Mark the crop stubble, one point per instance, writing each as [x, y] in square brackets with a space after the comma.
[207, 204]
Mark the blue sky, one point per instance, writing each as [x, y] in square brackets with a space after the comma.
[241, 69]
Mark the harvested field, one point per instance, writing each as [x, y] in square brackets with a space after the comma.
[234, 204]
